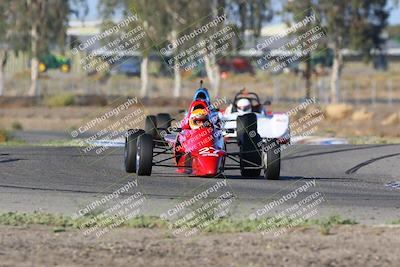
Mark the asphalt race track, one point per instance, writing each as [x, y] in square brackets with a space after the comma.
[354, 180]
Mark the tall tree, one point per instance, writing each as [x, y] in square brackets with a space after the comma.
[298, 10]
[12, 33]
[152, 18]
[246, 15]
[175, 20]
[5, 22]
[250, 16]
[47, 22]
[210, 60]
[356, 24]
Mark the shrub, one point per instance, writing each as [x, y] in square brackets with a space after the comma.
[16, 125]
[4, 136]
[59, 100]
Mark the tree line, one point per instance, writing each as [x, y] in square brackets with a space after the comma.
[37, 26]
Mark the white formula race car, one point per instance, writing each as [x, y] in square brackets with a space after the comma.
[246, 114]
[272, 125]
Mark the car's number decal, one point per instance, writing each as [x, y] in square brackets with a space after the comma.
[208, 151]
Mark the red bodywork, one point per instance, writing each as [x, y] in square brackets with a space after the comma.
[199, 152]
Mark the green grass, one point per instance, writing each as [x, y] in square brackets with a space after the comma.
[13, 143]
[395, 222]
[61, 100]
[225, 225]
[325, 225]
[333, 220]
[7, 139]
[5, 135]
[18, 219]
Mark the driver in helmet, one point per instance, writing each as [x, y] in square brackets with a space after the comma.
[243, 106]
[199, 119]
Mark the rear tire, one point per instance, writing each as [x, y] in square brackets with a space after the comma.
[150, 125]
[131, 148]
[144, 155]
[248, 140]
[163, 124]
[272, 160]
[163, 120]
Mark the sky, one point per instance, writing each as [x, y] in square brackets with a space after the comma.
[394, 17]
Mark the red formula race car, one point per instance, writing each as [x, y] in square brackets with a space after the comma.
[196, 146]
[199, 148]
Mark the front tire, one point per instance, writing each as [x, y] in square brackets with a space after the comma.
[272, 160]
[144, 155]
[245, 124]
[249, 140]
[131, 148]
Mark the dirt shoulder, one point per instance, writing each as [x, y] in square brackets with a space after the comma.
[344, 246]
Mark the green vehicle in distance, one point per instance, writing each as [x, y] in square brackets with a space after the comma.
[50, 61]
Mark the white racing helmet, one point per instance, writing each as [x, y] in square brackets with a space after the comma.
[243, 106]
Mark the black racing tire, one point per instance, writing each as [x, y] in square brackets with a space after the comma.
[245, 124]
[249, 141]
[163, 120]
[150, 125]
[163, 124]
[131, 148]
[250, 157]
[144, 155]
[272, 159]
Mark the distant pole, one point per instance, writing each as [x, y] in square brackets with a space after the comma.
[373, 92]
[357, 91]
[341, 94]
[319, 89]
[86, 87]
[326, 90]
[293, 88]
[275, 96]
[390, 91]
